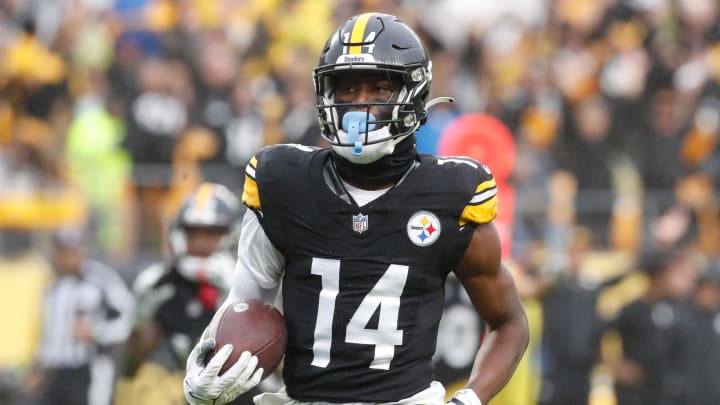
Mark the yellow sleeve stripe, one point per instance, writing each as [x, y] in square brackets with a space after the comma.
[480, 213]
[486, 185]
[251, 166]
[480, 198]
[251, 196]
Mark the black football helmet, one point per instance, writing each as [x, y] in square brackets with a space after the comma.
[210, 205]
[381, 43]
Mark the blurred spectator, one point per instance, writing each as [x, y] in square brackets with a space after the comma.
[572, 326]
[158, 114]
[701, 149]
[704, 349]
[585, 153]
[100, 167]
[131, 48]
[653, 330]
[533, 169]
[35, 73]
[244, 132]
[22, 168]
[658, 151]
[697, 195]
[217, 72]
[86, 314]
[300, 124]
[177, 299]
[625, 76]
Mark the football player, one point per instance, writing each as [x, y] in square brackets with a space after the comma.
[362, 236]
[176, 300]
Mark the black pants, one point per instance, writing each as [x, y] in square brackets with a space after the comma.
[66, 386]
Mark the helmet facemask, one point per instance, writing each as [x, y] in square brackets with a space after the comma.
[375, 145]
[363, 132]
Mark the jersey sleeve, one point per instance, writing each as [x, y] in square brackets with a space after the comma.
[257, 255]
[482, 207]
[271, 164]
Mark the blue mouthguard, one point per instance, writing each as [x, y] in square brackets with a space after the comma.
[354, 123]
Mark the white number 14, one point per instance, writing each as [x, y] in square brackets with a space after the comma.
[385, 294]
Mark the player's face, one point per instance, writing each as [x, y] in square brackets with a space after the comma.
[68, 259]
[363, 88]
[203, 242]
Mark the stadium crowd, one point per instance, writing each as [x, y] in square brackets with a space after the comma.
[112, 111]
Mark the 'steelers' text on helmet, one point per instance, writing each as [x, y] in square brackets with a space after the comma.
[378, 43]
[210, 205]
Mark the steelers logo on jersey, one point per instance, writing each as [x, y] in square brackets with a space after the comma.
[423, 228]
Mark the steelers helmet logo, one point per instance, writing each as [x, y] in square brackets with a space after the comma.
[423, 228]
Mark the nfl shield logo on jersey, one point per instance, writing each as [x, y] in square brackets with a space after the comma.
[360, 223]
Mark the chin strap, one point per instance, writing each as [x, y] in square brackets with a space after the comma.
[438, 100]
[388, 169]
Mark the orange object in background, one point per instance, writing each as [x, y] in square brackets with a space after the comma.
[489, 141]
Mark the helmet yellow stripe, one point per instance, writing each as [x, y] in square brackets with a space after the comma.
[358, 32]
[203, 195]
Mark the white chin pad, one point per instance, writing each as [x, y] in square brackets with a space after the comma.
[369, 153]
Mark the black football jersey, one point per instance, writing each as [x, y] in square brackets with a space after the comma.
[363, 287]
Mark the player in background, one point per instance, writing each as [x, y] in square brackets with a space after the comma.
[177, 299]
[362, 236]
[87, 311]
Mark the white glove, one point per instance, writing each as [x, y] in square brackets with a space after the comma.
[465, 397]
[217, 269]
[203, 386]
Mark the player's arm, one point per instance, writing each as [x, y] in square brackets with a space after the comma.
[203, 384]
[493, 294]
[259, 266]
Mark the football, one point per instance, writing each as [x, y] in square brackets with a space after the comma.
[250, 325]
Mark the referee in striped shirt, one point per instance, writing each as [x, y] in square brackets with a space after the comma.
[87, 311]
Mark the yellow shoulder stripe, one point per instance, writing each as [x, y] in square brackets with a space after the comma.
[482, 207]
[485, 185]
[479, 213]
[253, 162]
[251, 196]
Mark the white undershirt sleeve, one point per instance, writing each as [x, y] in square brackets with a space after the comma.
[259, 266]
